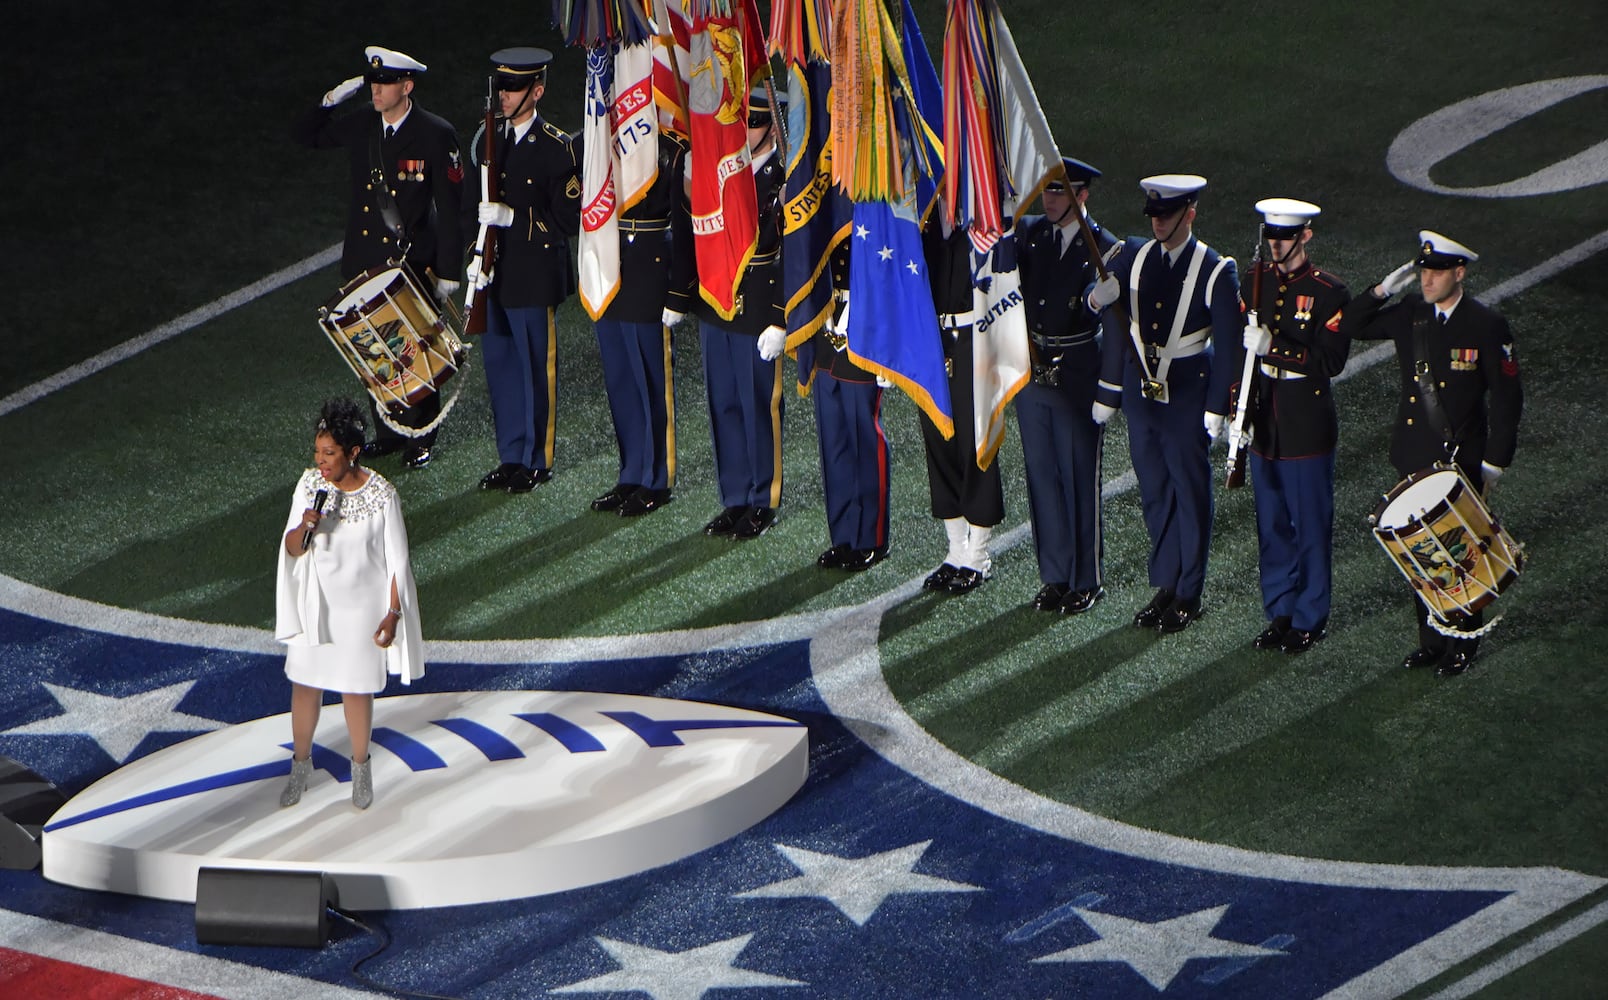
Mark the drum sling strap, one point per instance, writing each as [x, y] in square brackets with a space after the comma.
[1423, 328]
[389, 213]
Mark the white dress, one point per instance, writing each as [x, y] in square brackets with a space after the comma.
[332, 597]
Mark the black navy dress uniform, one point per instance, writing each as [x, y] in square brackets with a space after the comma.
[1294, 433]
[854, 450]
[657, 275]
[539, 180]
[1183, 311]
[745, 391]
[416, 160]
[1475, 371]
[1061, 443]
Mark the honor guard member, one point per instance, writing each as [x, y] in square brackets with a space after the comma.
[742, 378]
[658, 281]
[407, 185]
[1293, 425]
[854, 449]
[1181, 303]
[1460, 394]
[536, 201]
[969, 501]
[1061, 443]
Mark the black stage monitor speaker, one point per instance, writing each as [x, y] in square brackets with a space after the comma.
[255, 907]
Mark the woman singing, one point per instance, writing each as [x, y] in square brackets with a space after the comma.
[348, 611]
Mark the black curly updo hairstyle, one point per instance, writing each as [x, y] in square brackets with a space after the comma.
[343, 421]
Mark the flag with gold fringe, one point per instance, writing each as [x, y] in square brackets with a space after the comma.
[887, 158]
[598, 249]
[728, 57]
[815, 212]
[672, 64]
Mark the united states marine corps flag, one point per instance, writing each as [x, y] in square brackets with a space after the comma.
[816, 215]
[1000, 154]
[727, 55]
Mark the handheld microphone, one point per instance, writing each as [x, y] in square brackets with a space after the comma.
[318, 508]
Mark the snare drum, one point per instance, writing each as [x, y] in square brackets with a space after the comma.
[1439, 533]
[390, 332]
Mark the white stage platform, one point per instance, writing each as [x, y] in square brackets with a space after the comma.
[478, 796]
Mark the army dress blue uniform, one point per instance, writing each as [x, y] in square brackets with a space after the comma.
[1183, 312]
[657, 274]
[853, 447]
[1294, 432]
[1061, 443]
[419, 161]
[1475, 369]
[745, 391]
[538, 178]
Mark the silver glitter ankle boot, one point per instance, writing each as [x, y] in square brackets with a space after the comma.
[300, 771]
[363, 783]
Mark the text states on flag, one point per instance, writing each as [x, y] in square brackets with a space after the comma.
[725, 209]
[815, 214]
[635, 124]
[598, 249]
[1001, 362]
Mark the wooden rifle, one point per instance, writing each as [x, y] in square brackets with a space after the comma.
[484, 255]
[1239, 438]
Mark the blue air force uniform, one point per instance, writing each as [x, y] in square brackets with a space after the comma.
[1294, 432]
[1061, 443]
[1183, 311]
[1475, 370]
[538, 179]
[418, 161]
[744, 390]
[854, 450]
[657, 273]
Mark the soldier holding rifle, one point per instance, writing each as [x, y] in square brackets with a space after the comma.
[1294, 348]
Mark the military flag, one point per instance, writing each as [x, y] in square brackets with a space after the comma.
[728, 57]
[672, 64]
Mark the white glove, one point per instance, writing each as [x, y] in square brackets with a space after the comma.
[1399, 280]
[1215, 424]
[670, 317]
[472, 274]
[1102, 412]
[883, 383]
[444, 288]
[771, 342]
[495, 213]
[342, 91]
[1105, 291]
[1258, 339]
[1490, 474]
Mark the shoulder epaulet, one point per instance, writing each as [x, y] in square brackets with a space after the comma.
[1326, 279]
[678, 138]
[555, 132]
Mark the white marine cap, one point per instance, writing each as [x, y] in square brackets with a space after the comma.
[1285, 217]
[388, 65]
[1442, 253]
[1167, 193]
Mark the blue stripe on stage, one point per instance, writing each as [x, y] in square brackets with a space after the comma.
[573, 737]
[489, 742]
[414, 754]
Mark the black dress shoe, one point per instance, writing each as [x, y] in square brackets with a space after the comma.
[376, 448]
[756, 522]
[1180, 616]
[1149, 616]
[1454, 664]
[644, 501]
[725, 522]
[500, 477]
[1079, 601]
[1299, 640]
[1049, 597]
[860, 559]
[965, 580]
[1272, 637]
[939, 578]
[524, 480]
[613, 499]
[1422, 657]
[416, 456]
[833, 557]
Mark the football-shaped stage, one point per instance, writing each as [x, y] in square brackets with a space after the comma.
[478, 796]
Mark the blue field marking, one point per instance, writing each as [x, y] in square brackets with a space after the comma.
[1031, 893]
[493, 744]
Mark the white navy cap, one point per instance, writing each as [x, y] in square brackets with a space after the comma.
[1442, 253]
[1283, 218]
[388, 65]
[1167, 193]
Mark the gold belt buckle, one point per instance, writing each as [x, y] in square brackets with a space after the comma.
[1154, 390]
[838, 341]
